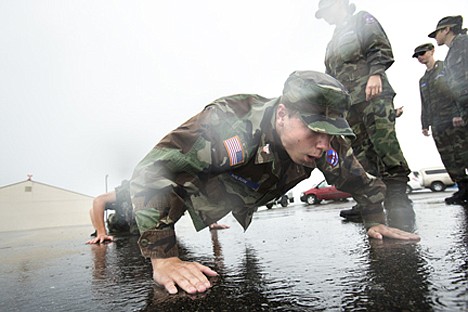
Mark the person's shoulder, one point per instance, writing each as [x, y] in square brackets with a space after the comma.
[439, 64]
[461, 40]
[365, 17]
[240, 104]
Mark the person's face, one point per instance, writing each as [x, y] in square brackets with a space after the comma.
[303, 145]
[424, 58]
[441, 36]
[334, 14]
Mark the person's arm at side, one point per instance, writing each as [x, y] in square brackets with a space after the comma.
[425, 113]
[377, 51]
[96, 214]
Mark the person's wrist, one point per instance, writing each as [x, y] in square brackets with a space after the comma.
[159, 243]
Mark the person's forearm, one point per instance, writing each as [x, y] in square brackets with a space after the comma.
[97, 219]
[97, 212]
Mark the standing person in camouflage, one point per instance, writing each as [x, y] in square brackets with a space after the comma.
[449, 32]
[438, 108]
[238, 154]
[358, 55]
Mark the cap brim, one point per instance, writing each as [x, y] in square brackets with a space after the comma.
[433, 34]
[318, 14]
[328, 125]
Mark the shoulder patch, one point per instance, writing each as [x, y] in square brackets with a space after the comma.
[332, 157]
[369, 19]
[234, 150]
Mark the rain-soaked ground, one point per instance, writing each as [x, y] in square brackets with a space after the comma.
[299, 258]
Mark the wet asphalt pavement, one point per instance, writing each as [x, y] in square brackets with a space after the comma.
[298, 258]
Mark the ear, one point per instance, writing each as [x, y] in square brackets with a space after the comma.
[281, 113]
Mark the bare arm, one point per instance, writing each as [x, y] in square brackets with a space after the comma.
[96, 214]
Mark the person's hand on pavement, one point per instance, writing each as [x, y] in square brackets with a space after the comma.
[373, 87]
[99, 239]
[173, 272]
[380, 231]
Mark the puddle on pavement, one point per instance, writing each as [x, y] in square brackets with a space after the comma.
[290, 259]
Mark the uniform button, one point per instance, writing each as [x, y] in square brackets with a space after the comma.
[144, 242]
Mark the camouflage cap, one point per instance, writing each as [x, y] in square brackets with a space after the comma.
[321, 101]
[423, 48]
[448, 21]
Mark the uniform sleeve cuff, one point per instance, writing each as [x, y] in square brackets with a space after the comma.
[377, 70]
[159, 244]
[373, 215]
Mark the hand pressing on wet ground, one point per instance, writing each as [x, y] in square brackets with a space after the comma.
[189, 276]
[100, 239]
[380, 231]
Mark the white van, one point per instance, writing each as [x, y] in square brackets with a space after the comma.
[414, 183]
[437, 179]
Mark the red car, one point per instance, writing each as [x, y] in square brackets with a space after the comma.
[323, 191]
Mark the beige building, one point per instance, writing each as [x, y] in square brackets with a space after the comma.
[33, 205]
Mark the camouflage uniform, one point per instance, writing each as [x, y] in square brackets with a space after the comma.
[437, 111]
[228, 159]
[456, 66]
[122, 221]
[358, 49]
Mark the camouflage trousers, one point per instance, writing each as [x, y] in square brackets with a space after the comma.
[122, 221]
[452, 144]
[376, 145]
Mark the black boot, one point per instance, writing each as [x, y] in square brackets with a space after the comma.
[353, 214]
[399, 207]
[460, 197]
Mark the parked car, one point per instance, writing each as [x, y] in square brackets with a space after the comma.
[323, 191]
[283, 200]
[437, 179]
[414, 183]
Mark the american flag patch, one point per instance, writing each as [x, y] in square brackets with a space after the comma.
[234, 150]
[332, 157]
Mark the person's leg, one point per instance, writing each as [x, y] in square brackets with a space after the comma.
[363, 151]
[362, 145]
[452, 146]
[379, 120]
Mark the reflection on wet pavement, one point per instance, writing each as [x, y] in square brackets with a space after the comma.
[299, 258]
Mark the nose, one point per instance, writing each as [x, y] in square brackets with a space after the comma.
[323, 141]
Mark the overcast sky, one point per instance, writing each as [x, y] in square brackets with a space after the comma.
[87, 88]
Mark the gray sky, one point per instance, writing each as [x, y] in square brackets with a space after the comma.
[87, 88]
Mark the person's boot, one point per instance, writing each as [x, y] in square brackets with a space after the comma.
[399, 207]
[353, 214]
[460, 197]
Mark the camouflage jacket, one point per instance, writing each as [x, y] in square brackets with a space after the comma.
[456, 65]
[228, 159]
[358, 49]
[437, 106]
